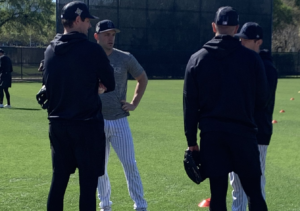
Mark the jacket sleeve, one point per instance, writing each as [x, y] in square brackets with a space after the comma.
[11, 66]
[1, 65]
[190, 104]
[272, 77]
[262, 86]
[105, 71]
[5, 65]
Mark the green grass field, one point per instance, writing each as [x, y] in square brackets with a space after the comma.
[157, 128]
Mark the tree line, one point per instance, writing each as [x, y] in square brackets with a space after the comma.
[286, 28]
[32, 23]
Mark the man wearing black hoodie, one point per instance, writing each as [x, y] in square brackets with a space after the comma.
[6, 69]
[251, 36]
[73, 68]
[224, 83]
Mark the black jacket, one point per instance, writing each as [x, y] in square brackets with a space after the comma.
[5, 71]
[72, 70]
[224, 84]
[263, 118]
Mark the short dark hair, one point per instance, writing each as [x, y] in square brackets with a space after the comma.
[225, 29]
[68, 22]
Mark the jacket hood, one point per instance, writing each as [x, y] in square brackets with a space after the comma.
[265, 55]
[222, 45]
[63, 43]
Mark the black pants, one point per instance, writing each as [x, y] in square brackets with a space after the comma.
[76, 145]
[223, 152]
[251, 186]
[5, 89]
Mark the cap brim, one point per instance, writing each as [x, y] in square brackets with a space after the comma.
[114, 29]
[92, 17]
[240, 35]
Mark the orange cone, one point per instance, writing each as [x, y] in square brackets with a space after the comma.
[274, 121]
[204, 203]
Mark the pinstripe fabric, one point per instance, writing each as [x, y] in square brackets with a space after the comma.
[118, 134]
[240, 200]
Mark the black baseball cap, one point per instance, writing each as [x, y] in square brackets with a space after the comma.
[251, 31]
[1, 51]
[76, 8]
[105, 25]
[227, 16]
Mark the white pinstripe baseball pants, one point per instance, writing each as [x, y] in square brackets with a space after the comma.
[118, 134]
[240, 200]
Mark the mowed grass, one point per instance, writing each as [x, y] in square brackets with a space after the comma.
[157, 128]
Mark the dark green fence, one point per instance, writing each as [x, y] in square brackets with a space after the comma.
[25, 62]
[162, 34]
[287, 64]
[158, 64]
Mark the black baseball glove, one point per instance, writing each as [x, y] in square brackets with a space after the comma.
[41, 97]
[192, 166]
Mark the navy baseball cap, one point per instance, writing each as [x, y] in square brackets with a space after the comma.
[105, 25]
[251, 31]
[227, 16]
[1, 51]
[76, 8]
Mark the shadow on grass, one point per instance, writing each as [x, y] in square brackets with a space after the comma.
[27, 109]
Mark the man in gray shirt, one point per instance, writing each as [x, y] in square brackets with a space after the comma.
[115, 110]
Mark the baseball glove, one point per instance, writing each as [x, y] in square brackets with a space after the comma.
[192, 166]
[41, 97]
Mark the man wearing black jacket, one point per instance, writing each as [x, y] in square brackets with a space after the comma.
[5, 78]
[251, 36]
[72, 70]
[224, 83]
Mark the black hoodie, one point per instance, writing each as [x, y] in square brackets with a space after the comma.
[224, 84]
[263, 118]
[72, 70]
[5, 71]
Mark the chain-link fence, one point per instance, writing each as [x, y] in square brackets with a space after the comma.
[162, 34]
[287, 64]
[25, 62]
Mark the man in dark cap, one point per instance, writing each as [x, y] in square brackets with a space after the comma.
[73, 67]
[251, 36]
[5, 78]
[224, 83]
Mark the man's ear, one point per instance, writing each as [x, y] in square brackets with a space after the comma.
[96, 36]
[78, 19]
[214, 27]
[260, 42]
[236, 29]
